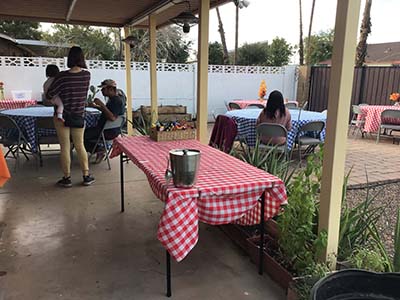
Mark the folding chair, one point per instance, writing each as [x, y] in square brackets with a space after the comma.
[233, 106]
[272, 130]
[291, 105]
[356, 122]
[314, 127]
[387, 117]
[255, 106]
[45, 123]
[13, 138]
[101, 140]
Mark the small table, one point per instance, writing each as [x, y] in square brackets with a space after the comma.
[227, 190]
[246, 123]
[26, 120]
[372, 116]
[11, 104]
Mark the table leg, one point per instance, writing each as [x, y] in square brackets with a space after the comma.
[261, 258]
[169, 292]
[121, 170]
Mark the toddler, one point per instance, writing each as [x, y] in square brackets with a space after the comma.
[51, 73]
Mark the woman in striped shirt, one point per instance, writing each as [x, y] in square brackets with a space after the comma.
[72, 87]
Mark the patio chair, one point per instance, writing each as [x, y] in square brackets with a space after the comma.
[387, 117]
[356, 122]
[223, 133]
[255, 106]
[106, 144]
[13, 138]
[233, 106]
[291, 105]
[45, 124]
[272, 130]
[312, 140]
[304, 106]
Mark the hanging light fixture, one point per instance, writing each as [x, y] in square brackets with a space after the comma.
[186, 19]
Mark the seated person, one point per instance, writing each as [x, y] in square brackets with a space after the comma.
[275, 112]
[114, 107]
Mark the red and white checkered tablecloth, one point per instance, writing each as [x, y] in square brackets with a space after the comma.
[12, 104]
[372, 115]
[227, 190]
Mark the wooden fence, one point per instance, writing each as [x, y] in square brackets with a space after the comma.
[372, 85]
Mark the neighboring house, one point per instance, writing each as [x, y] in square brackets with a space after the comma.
[20, 47]
[384, 54]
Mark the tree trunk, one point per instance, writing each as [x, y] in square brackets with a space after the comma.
[223, 40]
[364, 31]
[236, 36]
[301, 45]
[308, 52]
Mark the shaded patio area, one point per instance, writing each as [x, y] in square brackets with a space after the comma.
[74, 243]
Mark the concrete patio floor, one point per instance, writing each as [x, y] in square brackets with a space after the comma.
[58, 243]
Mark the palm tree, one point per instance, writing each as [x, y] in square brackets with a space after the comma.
[308, 52]
[301, 44]
[223, 40]
[364, 31]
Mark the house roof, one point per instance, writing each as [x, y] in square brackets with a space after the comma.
[384, 52]
[116, 13]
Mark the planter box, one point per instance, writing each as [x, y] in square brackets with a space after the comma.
[158, 136]
[167, 109]
[277, 272]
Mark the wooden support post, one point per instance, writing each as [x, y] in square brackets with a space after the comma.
[153, 68]
[127, 52]
[340, 89]
[202, 72]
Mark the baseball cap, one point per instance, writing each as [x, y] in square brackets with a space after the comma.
[107, 82]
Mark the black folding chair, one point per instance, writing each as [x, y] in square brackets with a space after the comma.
[45, 123]
[13, 138]
[233, 106]
[315, 128]
[101, 140]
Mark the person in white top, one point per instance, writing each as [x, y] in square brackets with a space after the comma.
[51, 73]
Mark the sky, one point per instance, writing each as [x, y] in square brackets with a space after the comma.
[263, 20]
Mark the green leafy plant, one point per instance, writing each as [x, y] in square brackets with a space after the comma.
[299, 241]
[303, 285]
[141, 125]
[270, 160]
[358, 223]
[370, 260]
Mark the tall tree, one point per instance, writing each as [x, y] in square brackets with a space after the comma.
[223, 40]
[364, 31]
[321, 46]
[21, 29]
[309, 29]
[301, 44]
[215, 54]
[95, 43]
[171, 46]
[280, 52]
[255, 54]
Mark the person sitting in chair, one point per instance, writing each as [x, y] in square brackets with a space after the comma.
[114, 107]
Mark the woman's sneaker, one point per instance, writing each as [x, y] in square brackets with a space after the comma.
[88, 180]
[65, 182]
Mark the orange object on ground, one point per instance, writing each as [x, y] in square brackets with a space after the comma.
[4, 172]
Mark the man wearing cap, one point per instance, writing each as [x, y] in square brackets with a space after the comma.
[110, 111]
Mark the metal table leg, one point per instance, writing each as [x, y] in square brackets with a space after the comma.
[261, 258]
[121, 169]
[169, 292]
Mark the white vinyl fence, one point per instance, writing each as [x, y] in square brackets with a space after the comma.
[176, 82]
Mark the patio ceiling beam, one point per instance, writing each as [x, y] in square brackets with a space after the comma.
[202, 71]
[340, 89]
[153, 68]
[156, 9]
[70, 10]
[60, 21]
